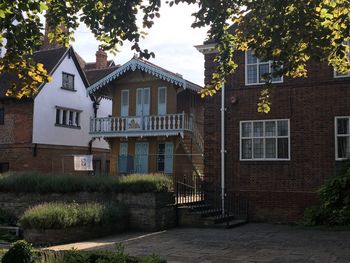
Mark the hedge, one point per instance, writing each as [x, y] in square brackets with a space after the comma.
[66, 215]
[23, 252]
[44, 183]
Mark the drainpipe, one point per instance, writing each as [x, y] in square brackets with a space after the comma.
[223, 149]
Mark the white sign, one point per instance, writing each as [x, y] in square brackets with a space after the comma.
[135, 123]
[83, 163]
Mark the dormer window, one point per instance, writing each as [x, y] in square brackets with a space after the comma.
[256, 68]
[67, 81]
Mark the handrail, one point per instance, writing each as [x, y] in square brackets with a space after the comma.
[167, 122]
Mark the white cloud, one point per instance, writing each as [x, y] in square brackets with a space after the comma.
[171, 39]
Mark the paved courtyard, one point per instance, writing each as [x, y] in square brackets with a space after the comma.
[248, 243]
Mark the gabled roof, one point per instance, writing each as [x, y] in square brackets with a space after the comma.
[51, 59]
[147, 67]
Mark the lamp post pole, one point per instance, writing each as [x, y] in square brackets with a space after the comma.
[223, 149]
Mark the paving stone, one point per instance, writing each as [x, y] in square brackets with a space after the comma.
[249, 243]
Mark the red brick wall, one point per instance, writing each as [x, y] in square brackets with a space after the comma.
[279, 190]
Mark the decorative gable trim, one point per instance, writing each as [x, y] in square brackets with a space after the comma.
[137, 64]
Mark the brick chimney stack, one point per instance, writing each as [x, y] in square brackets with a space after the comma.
[46, 44]
[101, 58]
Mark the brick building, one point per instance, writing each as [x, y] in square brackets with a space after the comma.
[42, 133]
[277, 160]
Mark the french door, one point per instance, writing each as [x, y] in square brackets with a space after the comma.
[143, 102]
[141, 157]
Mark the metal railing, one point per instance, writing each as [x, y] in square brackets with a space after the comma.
[151, 123]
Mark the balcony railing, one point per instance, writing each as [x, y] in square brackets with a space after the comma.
[170, 124]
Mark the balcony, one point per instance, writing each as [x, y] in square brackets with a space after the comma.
[134, 126]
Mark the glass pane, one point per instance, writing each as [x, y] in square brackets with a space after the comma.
[246, 149]
[58, 116]
[275, 78]
[282, 128]
[70, 118]
[283, 148]
[258, 145]
[250, 58]
[252, 74]
[64, 117]
[270, 128]
[343, 147]
[161, 157]
[270, 148]
[146, 96]
[263, 69]
[139, 96]
[125, 98]
[258, 129]
[246, 129]
[343, 126]
[77, 119]
[161, 96]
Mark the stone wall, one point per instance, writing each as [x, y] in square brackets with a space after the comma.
[147, 211]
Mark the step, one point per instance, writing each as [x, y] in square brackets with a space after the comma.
[209, 212]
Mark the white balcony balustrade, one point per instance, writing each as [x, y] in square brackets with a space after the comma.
[153, 125]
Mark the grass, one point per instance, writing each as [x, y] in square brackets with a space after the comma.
[64, 215]
[30, 182]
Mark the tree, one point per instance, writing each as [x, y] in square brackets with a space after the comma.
[288, 32]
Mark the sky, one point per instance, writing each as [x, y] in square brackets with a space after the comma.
[171, 39]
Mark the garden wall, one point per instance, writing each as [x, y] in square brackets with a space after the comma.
[147, 211]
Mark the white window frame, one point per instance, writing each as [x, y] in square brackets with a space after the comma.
[341, 135]
[346, 75]
[257, 72]
[121, 103]
[165, 99]
[264, 137]
[74, 112]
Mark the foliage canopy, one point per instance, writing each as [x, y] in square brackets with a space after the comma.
[289, 32]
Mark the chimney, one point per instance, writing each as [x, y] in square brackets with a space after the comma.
[46, 44]
[101, 58]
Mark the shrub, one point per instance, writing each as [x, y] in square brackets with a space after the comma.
[334, 208]
[63, 215]
[43, 183]
[20, 252]
[7, 218]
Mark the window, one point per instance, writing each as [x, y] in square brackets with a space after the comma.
[67, 117]
[264, 140]
[124, 103]
[67, 81]
[255, 69]
[2, 116]
[161, 157]
[342, 140]
[162, 100]
[338, 74]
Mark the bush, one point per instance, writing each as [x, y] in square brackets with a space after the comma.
[20, 252]
[75, 256]
[334, 209]
[63, 215]
[7, 218]
[43, 184]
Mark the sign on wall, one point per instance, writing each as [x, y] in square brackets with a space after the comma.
[134, 123]
[83, 163]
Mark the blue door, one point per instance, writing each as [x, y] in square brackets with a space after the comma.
[123, 157]
[168, 160]
[141, 157]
